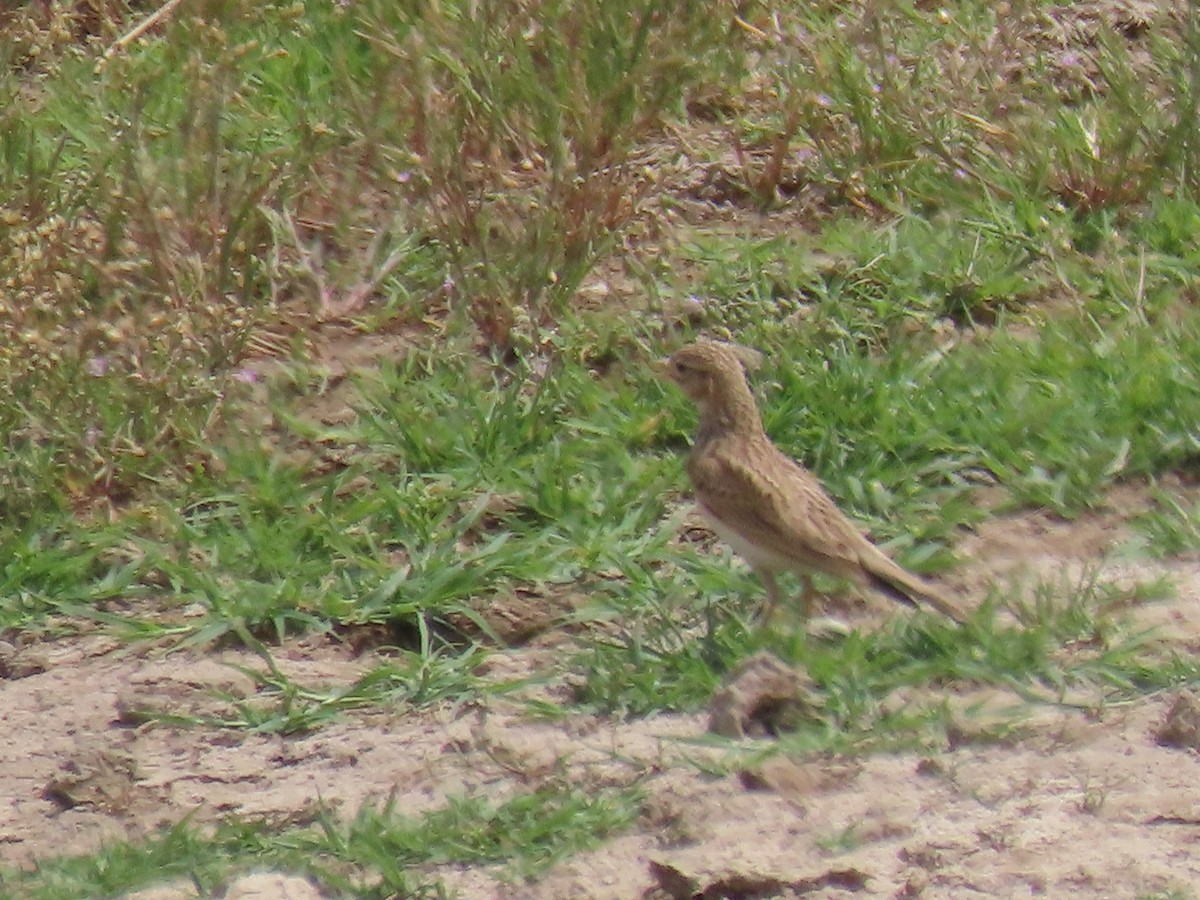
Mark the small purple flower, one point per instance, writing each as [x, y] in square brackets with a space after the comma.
[246, 375]
[1070, 59]
[404, 177]
[448, 284]
[97, 366]
[824, 101]
[876, 88]
[961, 174]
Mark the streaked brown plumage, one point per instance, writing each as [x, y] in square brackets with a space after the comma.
[771, 510]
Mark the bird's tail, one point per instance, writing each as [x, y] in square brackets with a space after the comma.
[913, 591]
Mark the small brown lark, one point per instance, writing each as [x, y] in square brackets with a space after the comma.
[772, 511]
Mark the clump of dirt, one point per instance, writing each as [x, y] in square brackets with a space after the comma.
[1181, 727]
[763, 696]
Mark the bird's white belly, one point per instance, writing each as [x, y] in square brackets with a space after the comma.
[758, 557]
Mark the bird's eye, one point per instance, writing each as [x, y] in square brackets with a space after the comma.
[679, 367]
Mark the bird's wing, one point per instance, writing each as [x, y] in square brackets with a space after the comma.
[777, 505]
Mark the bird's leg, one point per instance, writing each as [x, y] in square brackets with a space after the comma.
[806, 585]
[823, 626]
[767, 577]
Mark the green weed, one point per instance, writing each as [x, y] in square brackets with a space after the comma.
[1172, 527]
[380, 853]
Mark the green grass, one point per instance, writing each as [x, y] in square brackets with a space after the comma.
[1182, 893]
[675, 661]
[1171, 527]
[377, 854]
[966, 250]
[280, 705]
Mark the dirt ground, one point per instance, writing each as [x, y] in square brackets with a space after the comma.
[1086, 804]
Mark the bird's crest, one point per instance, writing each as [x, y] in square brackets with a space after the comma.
[750, 358]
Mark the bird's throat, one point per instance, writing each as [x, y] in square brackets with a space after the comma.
[722, 416]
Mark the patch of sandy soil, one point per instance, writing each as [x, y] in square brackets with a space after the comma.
[1080, 808]
[1074, 805]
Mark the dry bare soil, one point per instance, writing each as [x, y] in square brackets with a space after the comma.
[1084, 802]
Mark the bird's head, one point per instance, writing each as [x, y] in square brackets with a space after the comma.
[711, 372]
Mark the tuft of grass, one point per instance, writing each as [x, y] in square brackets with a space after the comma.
[520, 131]
[1069, 640]
[51, 567]
[1180, 893]
[454, 485]
[1053, 415]
[380, 853]
[846, 841]
[889, 107]
[1172, 527]
[282, 706]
